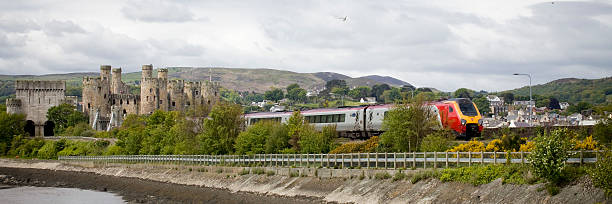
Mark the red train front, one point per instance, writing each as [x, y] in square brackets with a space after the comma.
[462, 116]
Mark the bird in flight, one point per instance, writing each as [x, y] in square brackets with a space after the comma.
[344, 19]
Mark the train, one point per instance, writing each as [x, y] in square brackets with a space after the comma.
[458, 114]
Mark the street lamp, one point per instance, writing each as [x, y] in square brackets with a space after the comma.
[529, 105]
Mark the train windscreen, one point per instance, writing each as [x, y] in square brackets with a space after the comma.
[467, 107]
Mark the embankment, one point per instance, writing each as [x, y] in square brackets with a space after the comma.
[299, 185]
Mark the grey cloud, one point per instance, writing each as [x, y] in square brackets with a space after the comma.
[58, 28]
[157, 11]
[15, 25]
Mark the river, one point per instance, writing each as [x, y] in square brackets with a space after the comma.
[29, 194]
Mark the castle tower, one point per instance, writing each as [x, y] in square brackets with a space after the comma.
[162, 78]
[147, 71]
[105, 72]
[13, 106]
[175, 91]
[192, 93]
[149, 91]
[210, 93]
[116, 84]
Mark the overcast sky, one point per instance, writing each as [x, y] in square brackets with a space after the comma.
[441, 44]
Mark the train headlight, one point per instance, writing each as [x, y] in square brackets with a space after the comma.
[480, 121]
[463, 122]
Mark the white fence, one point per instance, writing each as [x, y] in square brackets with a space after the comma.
[354, 160]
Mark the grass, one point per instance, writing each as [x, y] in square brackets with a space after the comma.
[399, 176]
[422, 175]
[483, 174]
[219, 170]
[270, 173]
[382, 175]
[294, 173]
[244, 171]
[258, 171]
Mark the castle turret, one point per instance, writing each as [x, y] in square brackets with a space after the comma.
[149, 91]
[147, 71]
[105, 72]
[116, 83]
[13, 106]
[162, 80]
[176, 95]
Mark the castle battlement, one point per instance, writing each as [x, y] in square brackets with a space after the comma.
[40, 85]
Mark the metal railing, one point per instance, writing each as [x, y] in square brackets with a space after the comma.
[353, 160]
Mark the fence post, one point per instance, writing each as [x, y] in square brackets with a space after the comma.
[446, 155]
[470, 158]
[342, 162]
[522, 158]
[413, 159]
[394, 160]
[424, 160]
[351, 159]
[386, 160]
[327, 156]
[435, 160]
[321, 161]
[581, 158]
[368, 159]
[376, 161]
[457, 159]
[494, 157]
[335, 160]
[481, 157]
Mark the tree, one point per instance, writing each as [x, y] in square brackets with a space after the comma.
[436, 142]
[64, 116]
[335, 83]
[553, 104]
[278, 140]
[292, 86]
[508, 97]
[378, 89]
[297, 94]
[578, 108]
[253, 140]
[295, 126]
[221, 130]
[483, 105]
[464, 93]
[275, 94]
[317, 142]
[360, 92]
[408, 88]
[406, 125]
[392, 95]
[549, 155]
[11, 125]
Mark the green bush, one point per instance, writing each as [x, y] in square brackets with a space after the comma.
[602, 172]
[294, 173]
[270, 173]
[436, 142]
[549, 155]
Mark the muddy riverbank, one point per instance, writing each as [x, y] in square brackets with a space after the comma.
[172, 183]
[136, 190]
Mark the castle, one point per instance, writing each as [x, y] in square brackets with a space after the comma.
[34, 98]
[107, 100]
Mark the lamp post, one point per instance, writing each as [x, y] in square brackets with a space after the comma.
[528, 105]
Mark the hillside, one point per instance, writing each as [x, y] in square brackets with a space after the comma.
[595, 91]
[258, 80]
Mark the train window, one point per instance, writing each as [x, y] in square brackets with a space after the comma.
[317, 119]
[335, 118]
[450, 109]
[330, 119]
[341, 117]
